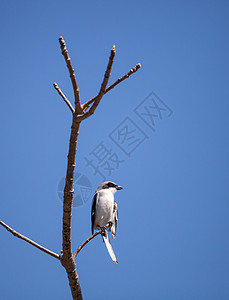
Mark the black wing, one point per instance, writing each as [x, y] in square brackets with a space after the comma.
[93, 208]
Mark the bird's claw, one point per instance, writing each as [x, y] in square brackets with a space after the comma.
[103, 229]
[110, 224]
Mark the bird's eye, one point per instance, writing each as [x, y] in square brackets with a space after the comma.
[111, 184]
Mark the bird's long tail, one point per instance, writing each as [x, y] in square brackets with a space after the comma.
[109, 247]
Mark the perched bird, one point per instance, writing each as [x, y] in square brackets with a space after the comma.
[104, 212]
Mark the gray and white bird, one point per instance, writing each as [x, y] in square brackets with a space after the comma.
[104, 211]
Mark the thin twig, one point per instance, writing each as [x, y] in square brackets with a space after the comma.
[64, 50]
[102, 89]
[132, 71]
[24, 238]
[56, 87]
[88, 240]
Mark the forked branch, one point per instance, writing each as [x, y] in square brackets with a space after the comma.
[24, 238]
[102, 89]
[127, 75]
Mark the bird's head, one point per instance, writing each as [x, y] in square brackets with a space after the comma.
[113, 187]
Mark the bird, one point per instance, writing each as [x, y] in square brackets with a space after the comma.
[104, 213]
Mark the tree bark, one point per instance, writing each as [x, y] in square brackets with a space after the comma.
[67, 259]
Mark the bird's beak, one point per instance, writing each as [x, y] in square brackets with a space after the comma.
[119, 187]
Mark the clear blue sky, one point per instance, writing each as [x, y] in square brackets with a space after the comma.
[172, 239]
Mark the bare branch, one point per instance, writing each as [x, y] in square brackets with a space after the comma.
[66, 259]
[127, 75]
[69, 188]
[56, 87]
[24, 238]
[132, 71]
[64, 50]
[102, 89]
[88, 240]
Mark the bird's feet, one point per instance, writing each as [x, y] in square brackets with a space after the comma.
[110, 224]
[103, 229]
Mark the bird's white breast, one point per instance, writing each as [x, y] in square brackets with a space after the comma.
[104, 208]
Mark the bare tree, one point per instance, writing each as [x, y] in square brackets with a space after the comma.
[79, 113]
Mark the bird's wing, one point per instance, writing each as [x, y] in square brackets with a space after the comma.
[93, 208]
[109, 247]
[115, 216]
